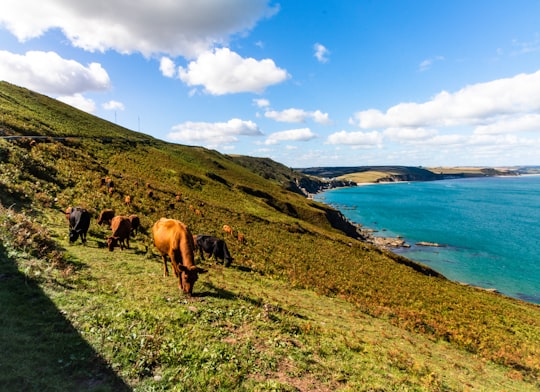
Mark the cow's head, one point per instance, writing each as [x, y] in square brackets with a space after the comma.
[112, 242]
[73, 236]
[188, 277]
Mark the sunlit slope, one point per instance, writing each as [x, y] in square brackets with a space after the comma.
[289, 238]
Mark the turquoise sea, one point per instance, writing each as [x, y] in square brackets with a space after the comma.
[490, 226]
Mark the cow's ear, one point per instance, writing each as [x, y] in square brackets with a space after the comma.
[200, 270]
[183, 268]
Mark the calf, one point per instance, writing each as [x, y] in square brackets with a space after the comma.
[121, 230]
[214, 247]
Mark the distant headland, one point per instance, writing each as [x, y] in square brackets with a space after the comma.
[322, 178]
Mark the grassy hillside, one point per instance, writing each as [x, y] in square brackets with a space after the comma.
[303, 307]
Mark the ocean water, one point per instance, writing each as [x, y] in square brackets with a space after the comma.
[490, 227]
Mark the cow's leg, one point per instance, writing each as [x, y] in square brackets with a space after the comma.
[175, 258]
[165, 269]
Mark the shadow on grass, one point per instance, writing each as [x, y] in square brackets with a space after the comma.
[41, 350]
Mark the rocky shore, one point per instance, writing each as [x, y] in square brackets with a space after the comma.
[390, 242]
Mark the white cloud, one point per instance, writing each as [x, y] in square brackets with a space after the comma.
[48, 73]
[409, 134]
[294, 115]
[321, 53]
[223, 72]
[476, 104]
[426, 64]
[320, 117]
[213, 134]
[261, 103]
[79, 101]
[519, 123]
[113, 105]
[526, 47]
[178, 28]
[358, 139]
[302, 134]
[167, 67]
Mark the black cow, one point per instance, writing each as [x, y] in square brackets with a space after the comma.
[216, 247]
[79, 222]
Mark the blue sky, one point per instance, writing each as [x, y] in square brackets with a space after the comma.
[306, 83]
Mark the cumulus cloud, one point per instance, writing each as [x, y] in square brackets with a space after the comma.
[223, 71]
[213, 134]
[113, 105]
[48, 73]
[294, 115]
[357, 139]
[302, 134]
[478, 104]
[167, 67]
[178, 28]
[321, 53]
[79, 101]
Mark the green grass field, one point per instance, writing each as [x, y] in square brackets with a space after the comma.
[302, 308]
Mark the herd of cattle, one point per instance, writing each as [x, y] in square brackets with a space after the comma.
[171, 237]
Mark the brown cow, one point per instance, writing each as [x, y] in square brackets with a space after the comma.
[105, 216]
[68, 212]
[135, 224]
[228, 229]
[172, 238]
[241, 238]
[121, 229]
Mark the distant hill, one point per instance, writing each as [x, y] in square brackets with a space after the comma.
[306, 304]
[403, 173]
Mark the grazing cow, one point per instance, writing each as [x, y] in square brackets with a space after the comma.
[172, 238]
[241, 238]
[135, 224]
[228, 229]
[109, 183]
[214, 247]
[121, 229]
[79, 222]
[105, 216]
[127, 200]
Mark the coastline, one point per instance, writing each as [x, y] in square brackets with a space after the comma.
[435, 253]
